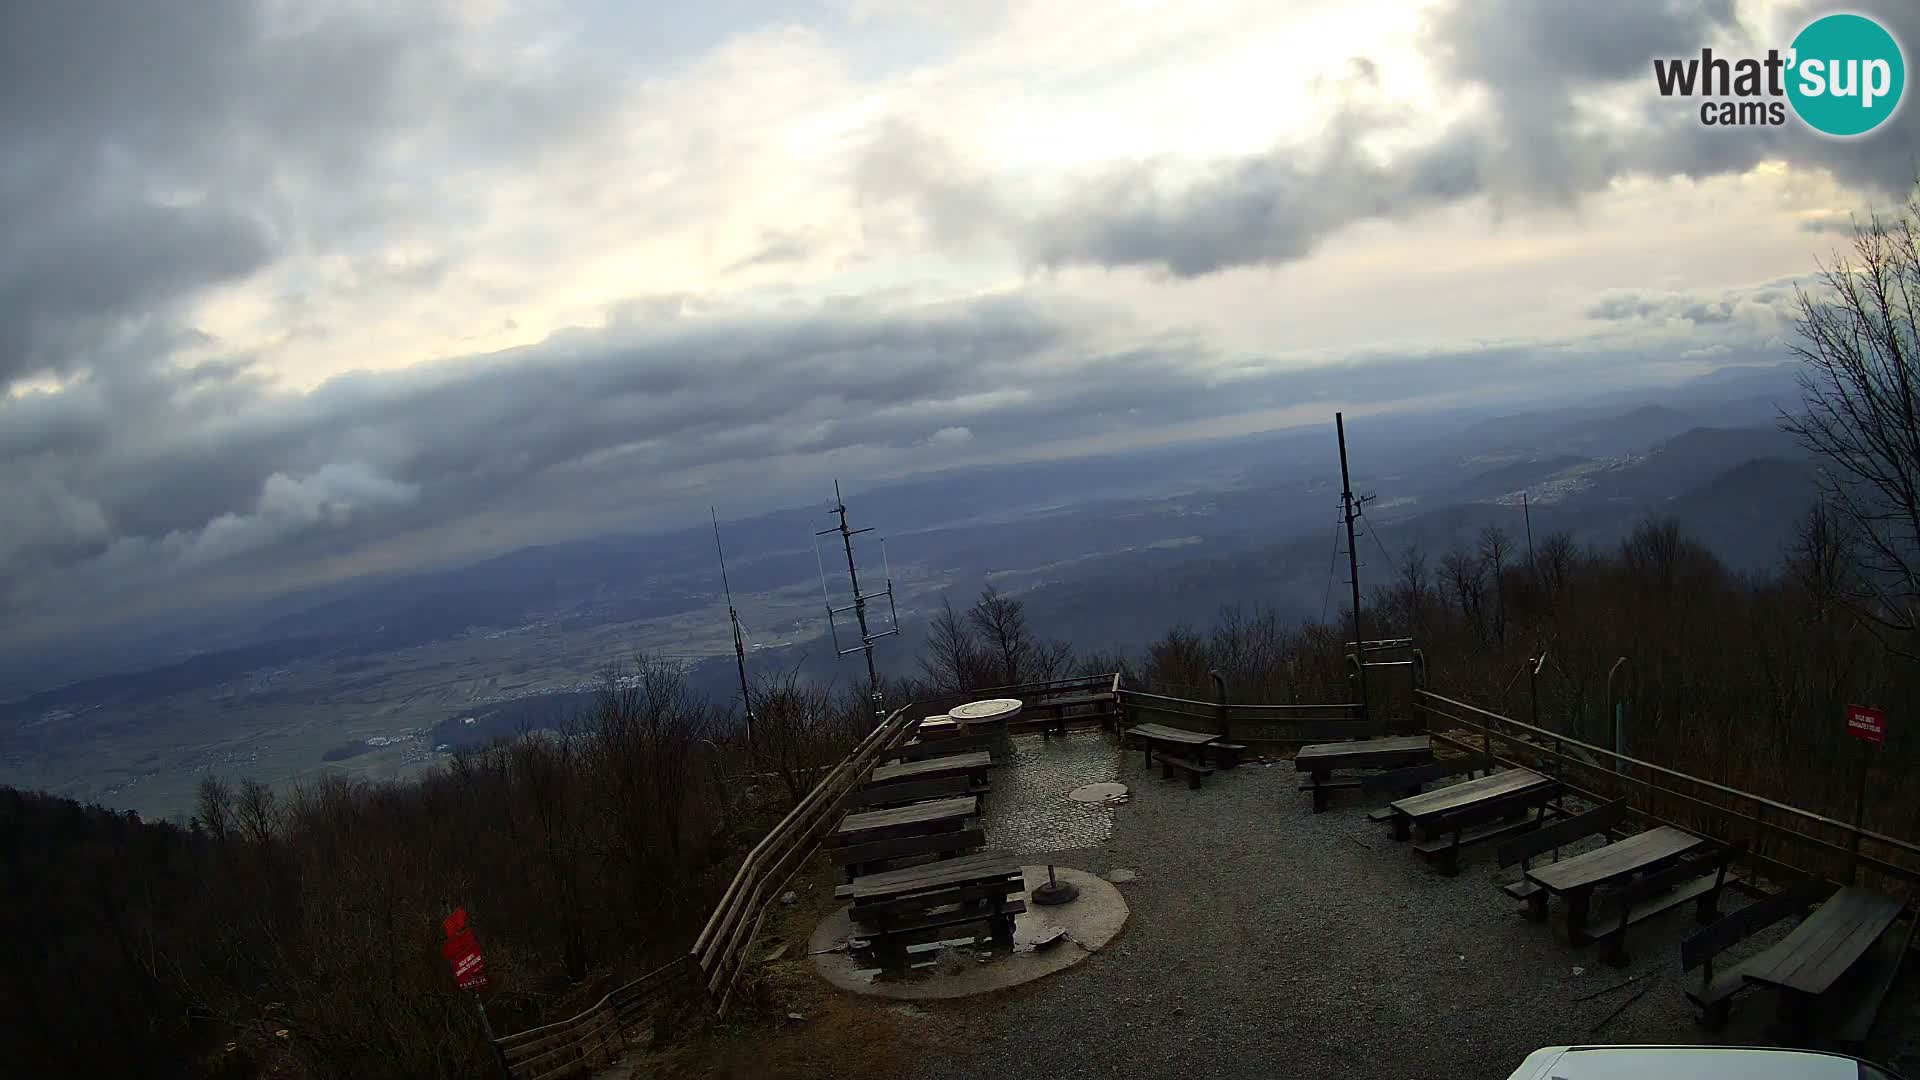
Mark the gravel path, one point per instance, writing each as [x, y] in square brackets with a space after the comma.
[1267, 941]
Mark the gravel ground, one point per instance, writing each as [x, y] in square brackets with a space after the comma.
[1267, 941]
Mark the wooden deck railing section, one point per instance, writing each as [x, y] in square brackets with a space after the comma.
[592, 1038]
[720, 950]
[1785, 837]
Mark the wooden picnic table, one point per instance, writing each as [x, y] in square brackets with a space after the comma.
[1363, 754]
[1576, 877]
[939, 815]
[899, 909]
[1516, 787]
[1320, 759]
[973, 762]
[1826, 945]
[964, 870]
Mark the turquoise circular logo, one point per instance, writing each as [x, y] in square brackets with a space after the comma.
[1847, 75]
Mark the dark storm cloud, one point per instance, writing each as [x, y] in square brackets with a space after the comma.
[1537, 141]
[150, 150]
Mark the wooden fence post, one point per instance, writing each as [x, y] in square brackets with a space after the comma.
[1220, 696]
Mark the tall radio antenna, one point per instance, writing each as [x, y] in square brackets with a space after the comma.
[859, 605]
[733, 617]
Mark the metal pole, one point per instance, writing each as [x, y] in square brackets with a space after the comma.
[1220, 696]
[739, 642]
[486, 1026]
[1617, 707]
[1353, 556]
[1859, 817]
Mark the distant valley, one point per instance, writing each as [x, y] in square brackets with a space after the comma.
[381, 677]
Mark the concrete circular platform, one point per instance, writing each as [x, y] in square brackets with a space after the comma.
[1090, 923]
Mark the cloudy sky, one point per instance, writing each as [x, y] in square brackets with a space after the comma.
[294, 291]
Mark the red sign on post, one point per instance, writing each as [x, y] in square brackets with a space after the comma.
[462, 951]
[1867, 724]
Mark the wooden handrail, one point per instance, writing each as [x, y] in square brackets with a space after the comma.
[1757, 800]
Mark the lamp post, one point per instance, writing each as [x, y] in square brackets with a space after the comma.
[1618, 705]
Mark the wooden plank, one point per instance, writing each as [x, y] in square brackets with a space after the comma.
[940, 747]
[1412, 777]
[958, 871]
[1823, 947]
[1162, 733]
[1447, 847]
[1857, 1004]
[875, 914]
[901, 847]
[1367, 754]
[1616, 860]
[1457, 796]
[1703, 945]
[856, 826]
[911, 791]
[1563, 833]
[1327, 731]
[972, 761]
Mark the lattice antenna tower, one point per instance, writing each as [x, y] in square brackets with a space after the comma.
[860, 600]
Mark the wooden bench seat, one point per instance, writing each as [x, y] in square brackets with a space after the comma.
[940, 746]
[913, 791]
[873, 856]
[1467, 829]
[1713, 991]
[1193, 770]
[1566, 832]
[1699, 877]
[1857, 1002]
[1227, 754]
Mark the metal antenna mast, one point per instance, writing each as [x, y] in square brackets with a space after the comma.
[739, 639]
[859, 605]
[1350, 509]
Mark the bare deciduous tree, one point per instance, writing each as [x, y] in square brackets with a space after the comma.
[1860, 341]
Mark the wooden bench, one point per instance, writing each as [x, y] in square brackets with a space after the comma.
[973, 763]
[875, 856]
[1152, 737]
[1321, 759]
[1169, 763]
[914, 819]
[1227, 754]
[1563, 833]
[1698, 876]
[940, 747]
[912, 791]
[1476, 825]
[1410, 780]
[1857, 1000]
[1820, 955]
[1714, 991]
[1576, 878]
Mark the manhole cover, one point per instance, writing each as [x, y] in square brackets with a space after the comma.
[1097, 792]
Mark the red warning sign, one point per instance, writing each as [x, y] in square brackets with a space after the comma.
[462, 951]
[1867, 724]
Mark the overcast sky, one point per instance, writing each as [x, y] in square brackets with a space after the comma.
[291, 291]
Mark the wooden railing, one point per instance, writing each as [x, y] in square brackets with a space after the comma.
[712, 967]
[1280, 724]
[1787, 837]
[594, 1037]
[720, 950]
